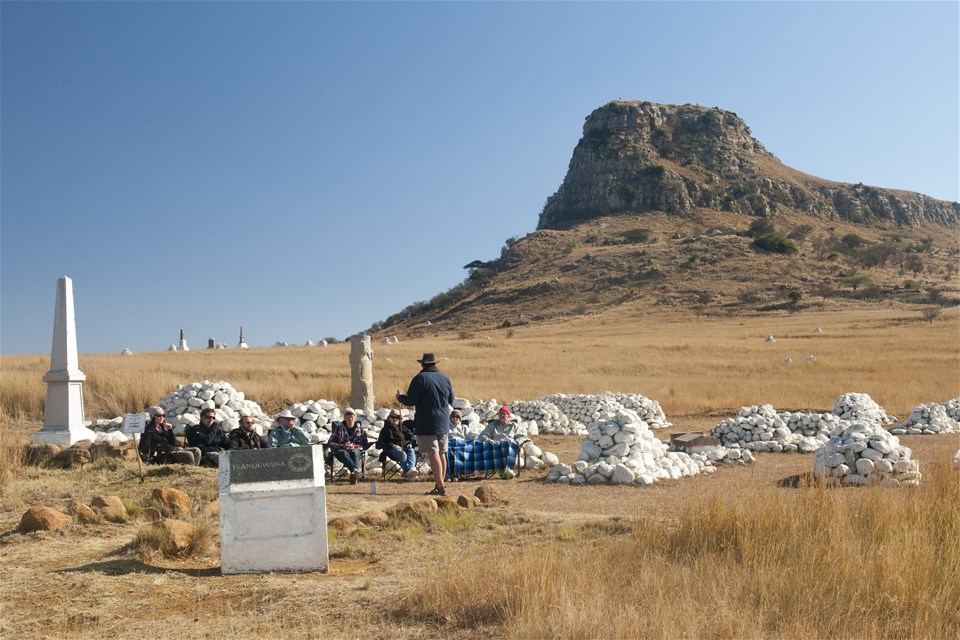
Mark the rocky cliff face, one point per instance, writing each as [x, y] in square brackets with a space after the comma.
[640, 156]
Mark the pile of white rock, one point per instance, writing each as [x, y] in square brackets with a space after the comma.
[930, 419]
[860, 406]
[586, 409]
[547, 417]
[184, 405]
[761, 428]
[863, 452]
[620, 448]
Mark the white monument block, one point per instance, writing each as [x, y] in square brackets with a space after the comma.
[63, 409]
[273, 510]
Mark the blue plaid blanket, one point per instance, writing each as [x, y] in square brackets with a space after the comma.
[465, 457]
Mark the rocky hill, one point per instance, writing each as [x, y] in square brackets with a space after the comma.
[678, 205]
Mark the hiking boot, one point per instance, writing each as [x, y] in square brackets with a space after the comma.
[353, 477]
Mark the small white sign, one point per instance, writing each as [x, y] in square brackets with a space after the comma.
[133, 424]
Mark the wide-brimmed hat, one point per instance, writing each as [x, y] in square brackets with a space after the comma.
[286, 414]
[428, 358]
[349, 410]
[394, 414]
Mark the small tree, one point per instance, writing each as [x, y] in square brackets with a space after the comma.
[930, 314]
[856, 280]
[795, 296]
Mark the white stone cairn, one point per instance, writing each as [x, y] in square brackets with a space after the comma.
[620, 448]
[761, 428]
[588, 408]
[860, 406]
[863, 452]
[184, 405]
[930, 419]
[63, 422]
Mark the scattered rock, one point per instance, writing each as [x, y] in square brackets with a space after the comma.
[343, 526]
[468, 502]
[178, 536]
[446, 502]
[83, 513]
[172, 501]
[110, 508]
[43, 519]
[71, 457]
[40, 455]
[375, 519]
[489, 494]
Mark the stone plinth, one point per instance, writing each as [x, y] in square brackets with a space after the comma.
[63, 422]
[361, 369]
[273, 510]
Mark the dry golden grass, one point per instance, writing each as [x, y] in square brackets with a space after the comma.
[690, 365]
[874, 563]
[747, 561]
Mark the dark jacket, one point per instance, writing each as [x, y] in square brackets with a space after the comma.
[243, 440]
[207, 440]
[431, 394]
[156, 445]
[403, 436]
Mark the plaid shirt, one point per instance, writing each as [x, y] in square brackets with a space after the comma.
[340, 436]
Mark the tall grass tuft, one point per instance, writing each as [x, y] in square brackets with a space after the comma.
[871, 562]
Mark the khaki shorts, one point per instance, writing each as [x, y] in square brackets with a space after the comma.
[433, 444]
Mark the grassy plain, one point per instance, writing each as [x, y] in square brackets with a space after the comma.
[749, 552]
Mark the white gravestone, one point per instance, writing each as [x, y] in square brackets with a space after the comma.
[63, 409]
[273, 510]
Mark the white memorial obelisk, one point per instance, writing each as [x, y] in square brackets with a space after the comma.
[243, 343]
[63, 409]
[183, 343]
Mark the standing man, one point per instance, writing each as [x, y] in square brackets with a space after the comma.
[431, 394]
[208, 436]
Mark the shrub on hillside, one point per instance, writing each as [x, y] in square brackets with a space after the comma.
[775, 243]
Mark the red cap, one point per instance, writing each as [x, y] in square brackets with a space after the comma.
[505, 409]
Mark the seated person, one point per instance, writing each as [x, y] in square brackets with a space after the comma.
[457, 428]
[246, 437]
[208, 436]
[348, 442]
[397, 442]
[159, 445]
[288, 434]
[501, 428]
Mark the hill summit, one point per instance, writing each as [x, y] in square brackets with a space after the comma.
[678, 206]
[641, 156]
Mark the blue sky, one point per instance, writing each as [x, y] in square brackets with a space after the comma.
[306, 168]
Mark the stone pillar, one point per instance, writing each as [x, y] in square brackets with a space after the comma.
[183, 343]
[211, 344]
[361, 369]
[63, 409]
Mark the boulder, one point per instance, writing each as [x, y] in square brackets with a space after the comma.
[374, 519]
[71, 457]
[489, 494]
[343, 526]
[43, 519]
[83, 513]
[178, 536]
[110, 508]
[172, 501]
[446, 502]
[40, 455]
